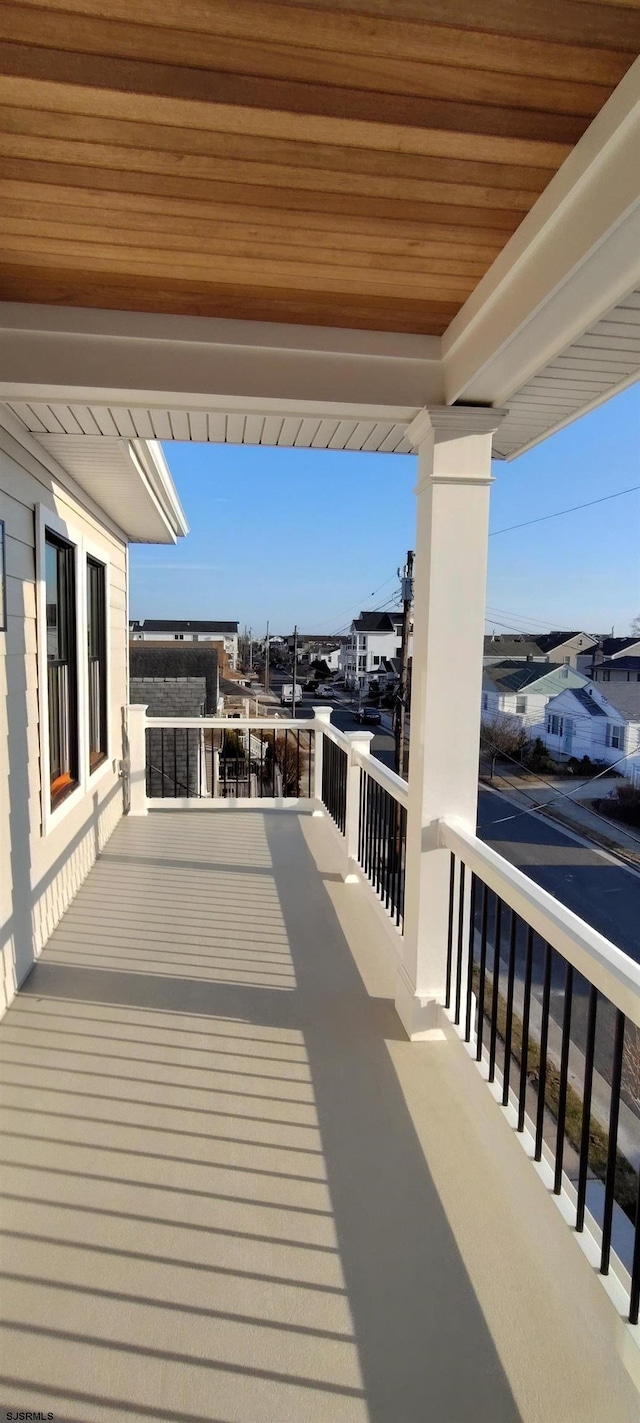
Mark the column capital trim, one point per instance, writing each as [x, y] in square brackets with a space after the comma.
[453, 422]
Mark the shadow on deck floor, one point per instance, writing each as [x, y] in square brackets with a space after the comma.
[218, 1201]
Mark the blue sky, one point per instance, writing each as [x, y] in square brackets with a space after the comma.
[307, 536]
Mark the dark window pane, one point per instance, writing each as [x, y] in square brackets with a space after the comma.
[61, 667]
[97, 661]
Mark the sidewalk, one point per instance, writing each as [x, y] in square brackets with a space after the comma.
[567, 804]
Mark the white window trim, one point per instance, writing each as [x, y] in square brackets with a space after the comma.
[99, 554]
[46, 519]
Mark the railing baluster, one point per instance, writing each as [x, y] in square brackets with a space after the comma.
[461, 882]
[585, 1136]
[452, 879]
[470, 959]
[564, 1075]
[497, 937]
[634, 1297]
[526, 1010]
[508, 1028]
[175, 761]
[614, 1112]
[483, 971]
[544, 1040]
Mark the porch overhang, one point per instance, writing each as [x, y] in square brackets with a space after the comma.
[400, 250]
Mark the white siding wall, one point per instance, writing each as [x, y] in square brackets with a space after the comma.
[39, 874]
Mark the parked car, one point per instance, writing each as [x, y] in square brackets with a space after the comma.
[324, 690]
[367, 716]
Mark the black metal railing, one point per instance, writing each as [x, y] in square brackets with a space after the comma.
[382, 838]
[199, 763]
[567, 1057]
[335, 762]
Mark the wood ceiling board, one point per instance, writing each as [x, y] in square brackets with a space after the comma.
[390, 34]
[269, 175]
[566, 22]
[391, 137]
[290, 97]
[255, 220]
[356, 281]
[22, 233]
[273, 200]
[284, 153]
[380, 73]
[182, 298]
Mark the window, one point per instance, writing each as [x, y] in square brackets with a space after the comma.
[606, 675]
[362, 642]
[362, 663]
[485, 701]
[97, 661]
[555, 725]
[521, 705]
[567, 661]
[62, 682]
[615, 736]
[376, 660]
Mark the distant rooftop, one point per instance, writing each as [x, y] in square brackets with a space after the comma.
[376, 621]
[613, 646]
[624, 697]
[512, 676]
[181, 625]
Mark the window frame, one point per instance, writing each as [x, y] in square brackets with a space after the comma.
[521, 710]
[48, 521]
[84, 548]
[99, 555]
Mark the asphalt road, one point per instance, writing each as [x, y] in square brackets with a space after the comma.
[586, 879]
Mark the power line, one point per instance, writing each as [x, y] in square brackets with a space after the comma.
[544, 517]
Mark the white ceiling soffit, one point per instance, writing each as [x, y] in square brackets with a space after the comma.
[298, 430]
[603, 361]
[125, 481]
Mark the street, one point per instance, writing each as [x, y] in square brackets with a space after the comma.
[585, 878]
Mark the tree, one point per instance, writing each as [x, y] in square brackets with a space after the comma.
[504, 736]
[635, 626]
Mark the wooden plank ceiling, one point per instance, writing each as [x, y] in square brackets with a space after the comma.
[355, 163]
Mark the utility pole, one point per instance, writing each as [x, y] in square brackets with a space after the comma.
[266, 661]
[403, 693]
[295, 669]
[251, 649]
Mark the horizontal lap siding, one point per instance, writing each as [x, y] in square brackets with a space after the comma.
[39, 875]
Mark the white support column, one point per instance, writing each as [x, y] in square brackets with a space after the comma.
[137, 717]
[361, 741]
[454, 478]
[321, 716]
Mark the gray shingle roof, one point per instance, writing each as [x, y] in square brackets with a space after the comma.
[588, 702]
[624, 697]
[376, 622]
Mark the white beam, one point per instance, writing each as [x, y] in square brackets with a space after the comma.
[575, 254]
[133, 358]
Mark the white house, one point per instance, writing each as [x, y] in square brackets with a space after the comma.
[186, 630]
[582, 721]
[521, 690]
[375, 638]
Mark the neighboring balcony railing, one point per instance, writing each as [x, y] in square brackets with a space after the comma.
[548, 1008]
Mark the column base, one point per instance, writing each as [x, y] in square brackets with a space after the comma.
[420, 1017]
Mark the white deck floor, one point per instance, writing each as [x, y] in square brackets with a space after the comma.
[235, 1193]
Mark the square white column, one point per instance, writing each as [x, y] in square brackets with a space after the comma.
[454, 478]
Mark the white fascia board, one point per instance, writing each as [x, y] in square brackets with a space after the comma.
[150, 456]
[575, 254]
[68, 354]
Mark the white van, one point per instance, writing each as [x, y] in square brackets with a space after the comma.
[286, 693]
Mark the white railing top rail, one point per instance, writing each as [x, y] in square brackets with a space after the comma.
[389, 780]
[598, 960]
[333, 733]
[235, 723]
